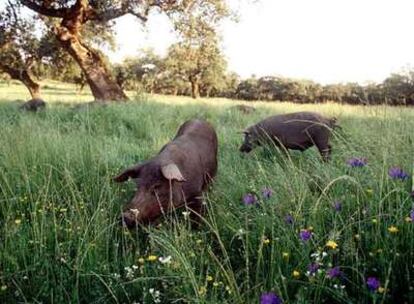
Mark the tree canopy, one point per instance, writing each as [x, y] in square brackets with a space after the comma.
[75, 15]
[19, 47]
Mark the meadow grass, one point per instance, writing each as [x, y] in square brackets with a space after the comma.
[60, 241]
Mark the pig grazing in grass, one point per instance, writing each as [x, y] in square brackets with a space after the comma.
[174, 178]
[296, 131]
[34, 105]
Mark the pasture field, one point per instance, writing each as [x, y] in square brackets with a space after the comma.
[328, 233]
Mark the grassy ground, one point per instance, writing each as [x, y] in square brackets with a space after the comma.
[60, 241]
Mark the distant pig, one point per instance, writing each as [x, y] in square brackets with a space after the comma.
[175, 177]
[296, 131]
[33, 105]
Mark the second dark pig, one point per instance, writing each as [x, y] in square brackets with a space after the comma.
[296, 131]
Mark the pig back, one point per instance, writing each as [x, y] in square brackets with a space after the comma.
[194, 150]
[294, 129]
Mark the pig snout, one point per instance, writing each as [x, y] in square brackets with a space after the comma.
[245, 148]
[128, 219]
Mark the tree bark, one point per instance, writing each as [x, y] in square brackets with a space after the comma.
[195, 86]
[103, 86]
[25, 77]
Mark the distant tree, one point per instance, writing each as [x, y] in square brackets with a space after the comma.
[248, 89]
[197, 56]
[202, 65]
[74, 15]
[145, 70]
[375, 93]
[19, 47]
[399, 88]
[231, 82]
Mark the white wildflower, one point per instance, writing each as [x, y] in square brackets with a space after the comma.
[165, 260]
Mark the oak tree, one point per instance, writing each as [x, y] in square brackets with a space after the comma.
[18, 47]
[73, 15]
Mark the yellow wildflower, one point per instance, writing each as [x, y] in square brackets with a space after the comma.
[331, 244]
[17, 221]
[216, 284]
[202, 290]
[285, 255]
[141, 260]
[199, 241]
[296, 274]
[393, 229]
[381, 289]
[209, 278]
[266, 241]
[408, 219]
[152, 258]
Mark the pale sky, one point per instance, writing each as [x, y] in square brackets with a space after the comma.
[324, 40]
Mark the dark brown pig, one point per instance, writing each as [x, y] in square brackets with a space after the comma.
[296, 131]
[33, 105]
[175, 177]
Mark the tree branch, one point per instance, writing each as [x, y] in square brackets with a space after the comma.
[13, 10]
[41, 9]
[114, 13]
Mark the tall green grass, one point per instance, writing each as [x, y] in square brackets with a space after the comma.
[60, 241]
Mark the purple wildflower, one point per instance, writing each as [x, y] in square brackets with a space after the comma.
[249, 199]
[305, 235]
[397, 173]
[289, 219]
[337, 206]
[357, 162]
[373, 283]
[267, 192]
[334, 272]
[270, 298]
[313, 268]
[412, 215]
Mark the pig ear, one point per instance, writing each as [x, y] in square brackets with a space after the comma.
[131, 172]
[171, 172]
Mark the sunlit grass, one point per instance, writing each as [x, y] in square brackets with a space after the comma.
[60, 241]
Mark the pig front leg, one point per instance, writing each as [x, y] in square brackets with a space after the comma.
[325, 149]
[197, 210]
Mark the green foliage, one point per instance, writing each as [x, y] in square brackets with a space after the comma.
[398, 89]
[203, 60]
[60, 239]
[18, 43]
[170, 75]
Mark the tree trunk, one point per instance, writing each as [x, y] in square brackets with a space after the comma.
[25, 78]
[103, 87]
[195, 86]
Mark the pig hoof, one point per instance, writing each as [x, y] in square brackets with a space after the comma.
[126, 222]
